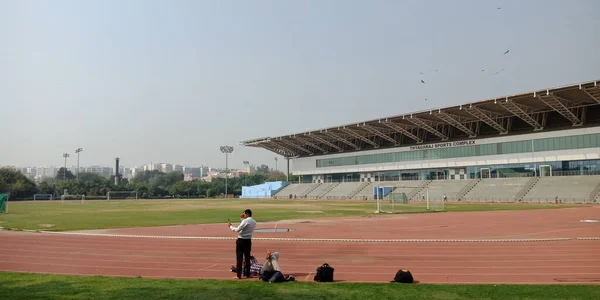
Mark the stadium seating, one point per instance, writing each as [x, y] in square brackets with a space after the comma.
[568, 189]
[298, 189]
[343, 190]
[450, 188]
[496, 190]
[409, 187]
[321, 190]
[364, 191]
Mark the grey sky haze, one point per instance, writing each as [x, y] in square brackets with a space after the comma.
[171, 81]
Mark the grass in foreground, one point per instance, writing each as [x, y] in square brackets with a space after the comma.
[37, 286]
[73, 215]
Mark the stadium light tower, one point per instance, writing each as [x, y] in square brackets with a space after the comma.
[65, 155]
[227, 150]
[78, 151]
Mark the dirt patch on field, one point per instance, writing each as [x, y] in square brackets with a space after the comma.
[46, 225]
[311, 211]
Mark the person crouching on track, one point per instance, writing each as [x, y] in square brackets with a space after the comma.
[243, 244]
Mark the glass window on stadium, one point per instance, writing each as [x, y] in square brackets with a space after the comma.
[306, 178]
[501, 171]
[423, 174]
[342, 177]
[387, 176]
[403, 175]
[539, 145]
[558, 168]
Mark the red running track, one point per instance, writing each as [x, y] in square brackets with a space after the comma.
[570, 261]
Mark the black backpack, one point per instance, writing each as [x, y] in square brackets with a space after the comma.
[324, 273]
[403, 276]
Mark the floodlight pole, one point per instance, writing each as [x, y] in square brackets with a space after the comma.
[226, 150]
[65, 155]
[78, 151]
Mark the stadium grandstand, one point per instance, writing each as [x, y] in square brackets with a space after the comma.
[539, 146]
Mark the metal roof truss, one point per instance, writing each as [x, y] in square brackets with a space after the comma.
[426, 125]
[562, 106]
[431, 126]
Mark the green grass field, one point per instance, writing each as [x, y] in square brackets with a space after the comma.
[37, 286]
[72, 215]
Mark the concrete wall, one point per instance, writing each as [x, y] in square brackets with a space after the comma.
[265, 190]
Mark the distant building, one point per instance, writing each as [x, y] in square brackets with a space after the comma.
[123, 171]
[46, 172]
[178, 168]
[152, 167]
[136, 170]
[190, 177]
[102, 171]
[166, 168]
[213, 173]
[238, 173]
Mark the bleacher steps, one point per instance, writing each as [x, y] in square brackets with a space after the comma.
[359, 189]
[310, 189]
[283, 186]
[594, 194]
[328, 190]
[526, 188]
[465, 190]
[416, 191]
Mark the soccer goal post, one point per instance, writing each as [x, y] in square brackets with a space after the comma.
[115, 195]
[408, 199]
[42, 197]
[380, 193]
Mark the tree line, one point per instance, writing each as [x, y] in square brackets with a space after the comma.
[147, 184]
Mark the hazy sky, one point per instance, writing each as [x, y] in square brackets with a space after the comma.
[171, 81]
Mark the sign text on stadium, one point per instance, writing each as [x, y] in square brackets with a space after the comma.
[443, 145]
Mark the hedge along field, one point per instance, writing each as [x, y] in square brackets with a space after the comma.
[74, 215]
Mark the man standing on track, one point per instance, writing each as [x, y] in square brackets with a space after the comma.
[243, 245]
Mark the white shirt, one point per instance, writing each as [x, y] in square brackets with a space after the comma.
[245, 229]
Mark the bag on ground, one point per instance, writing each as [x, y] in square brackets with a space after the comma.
[324, 273]
[403, 276]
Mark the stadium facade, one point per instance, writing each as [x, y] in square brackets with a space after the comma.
[549, 132]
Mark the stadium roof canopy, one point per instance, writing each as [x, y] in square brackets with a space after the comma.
[467, 121]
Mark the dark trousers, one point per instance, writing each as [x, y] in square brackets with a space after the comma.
[243, 247]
